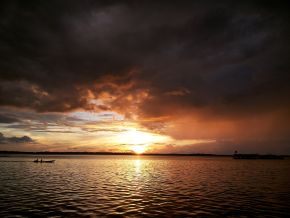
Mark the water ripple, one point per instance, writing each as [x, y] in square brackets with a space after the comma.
[126, 186]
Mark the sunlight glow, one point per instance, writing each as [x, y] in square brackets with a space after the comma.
[139, 149]
[138, 140]
[138, 137]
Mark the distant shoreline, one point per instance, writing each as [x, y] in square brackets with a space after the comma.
[5, 153]
[106, 153]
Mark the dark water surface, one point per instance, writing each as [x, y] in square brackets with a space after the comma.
[138, 186]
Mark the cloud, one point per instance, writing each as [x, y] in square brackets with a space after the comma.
[216, 52]
[213, 63]
[7, 119]
[15, 140]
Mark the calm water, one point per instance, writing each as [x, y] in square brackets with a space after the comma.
[132, 186]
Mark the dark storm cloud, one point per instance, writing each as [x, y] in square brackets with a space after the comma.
[14, 139]
[50, 122]
[7, 119]
[224, 55]
[16, 117]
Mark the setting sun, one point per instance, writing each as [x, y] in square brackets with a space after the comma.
[138, 137]
[134, 137]
[139, 149]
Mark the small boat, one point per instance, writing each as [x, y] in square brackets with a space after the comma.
[43, 161]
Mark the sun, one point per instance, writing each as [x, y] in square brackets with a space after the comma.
[139, 149]
[139, 137]
[138, 140]
[136, 137]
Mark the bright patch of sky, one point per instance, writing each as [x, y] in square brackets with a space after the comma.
[92, 116]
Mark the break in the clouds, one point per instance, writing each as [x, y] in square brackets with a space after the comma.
[220, 67]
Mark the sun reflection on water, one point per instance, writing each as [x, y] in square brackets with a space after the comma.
[138, 165]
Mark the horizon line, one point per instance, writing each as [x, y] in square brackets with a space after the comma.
[116, 153]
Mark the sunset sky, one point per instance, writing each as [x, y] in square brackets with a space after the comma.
[145, 76]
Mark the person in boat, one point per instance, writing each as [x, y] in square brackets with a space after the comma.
[41, 160]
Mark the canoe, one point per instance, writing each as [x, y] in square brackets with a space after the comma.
[44, 161]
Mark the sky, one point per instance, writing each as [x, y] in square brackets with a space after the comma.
[145, 76]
